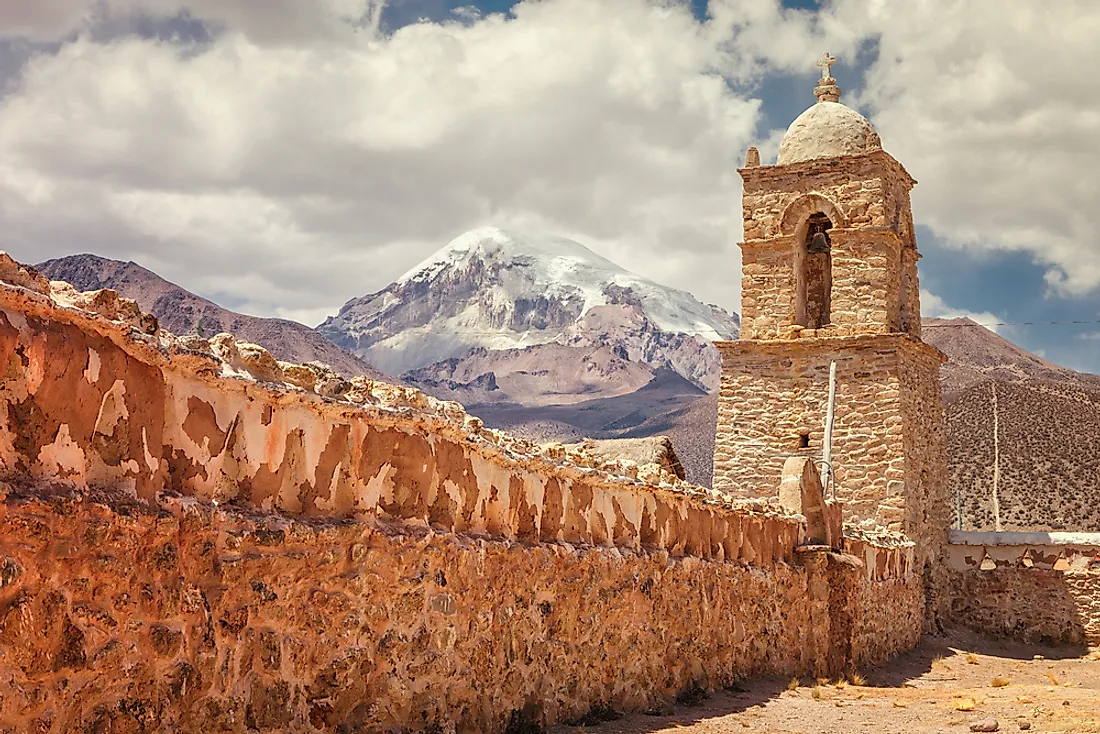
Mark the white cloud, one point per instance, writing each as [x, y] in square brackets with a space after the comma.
[299, 158]
[268, 21]
[302, 174]
[933, 306]
[991, 106]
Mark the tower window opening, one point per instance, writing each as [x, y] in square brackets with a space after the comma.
[804, 441]
[815, 273]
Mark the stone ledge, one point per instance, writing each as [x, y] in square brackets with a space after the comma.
[978, 538]
[827, 165]
[892, 340]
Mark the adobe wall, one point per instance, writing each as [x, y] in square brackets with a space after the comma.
[1032, 586]
[194, 537]
[91, 404]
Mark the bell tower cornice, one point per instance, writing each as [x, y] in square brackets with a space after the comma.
[823, 166]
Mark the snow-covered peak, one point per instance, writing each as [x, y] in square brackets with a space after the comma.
[559, 255]
[532, 266]
[501, 289]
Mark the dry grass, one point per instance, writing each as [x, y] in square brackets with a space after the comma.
[793, 684]
[857, 680]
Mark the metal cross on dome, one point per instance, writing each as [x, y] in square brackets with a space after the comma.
[826, 63]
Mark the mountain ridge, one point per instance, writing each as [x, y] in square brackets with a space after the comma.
[183, 312]
[608, 373]
[500, 290]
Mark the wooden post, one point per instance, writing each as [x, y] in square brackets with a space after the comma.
[827, 447]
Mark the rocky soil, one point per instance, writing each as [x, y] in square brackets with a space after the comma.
[1021, 454]
[946, 685]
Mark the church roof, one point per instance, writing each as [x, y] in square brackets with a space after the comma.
[828, 129]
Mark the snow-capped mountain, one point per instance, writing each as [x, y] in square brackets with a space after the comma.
[497, 290]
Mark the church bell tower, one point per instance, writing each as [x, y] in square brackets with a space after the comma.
[830, 275]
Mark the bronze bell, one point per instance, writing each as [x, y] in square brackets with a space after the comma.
[819, 243]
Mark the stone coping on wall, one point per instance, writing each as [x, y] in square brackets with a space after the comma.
[1066, 552]
[883, 563]
[819, 339]
[239, 366]
[1017, 538]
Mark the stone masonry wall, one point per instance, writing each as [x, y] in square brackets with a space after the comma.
[886, 409]
[183, 616]
[194, 537]
[927, 497]
[1034, 591]
[884, 598]
[873, 248]
[193, 618]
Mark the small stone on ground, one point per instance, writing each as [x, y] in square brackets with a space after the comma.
[942, 687]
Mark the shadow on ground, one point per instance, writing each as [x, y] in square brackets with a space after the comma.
[732, 700]
[917, 663]
[896, 693]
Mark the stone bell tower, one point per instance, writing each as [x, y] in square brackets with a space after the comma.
[830, 275]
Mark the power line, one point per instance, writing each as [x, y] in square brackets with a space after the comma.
[503, 332]
[1012, 323]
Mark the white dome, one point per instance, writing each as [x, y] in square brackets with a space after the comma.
[827, 130]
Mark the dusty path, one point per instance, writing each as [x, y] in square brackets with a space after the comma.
[928, 690]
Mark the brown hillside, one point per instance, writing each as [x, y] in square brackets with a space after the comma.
[978, 354]
[1022, 448]
[183, 312]
[1047, 455]
[1025, 452]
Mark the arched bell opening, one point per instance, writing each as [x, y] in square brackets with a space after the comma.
[814, 271]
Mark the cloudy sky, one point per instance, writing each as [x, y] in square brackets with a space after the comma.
[282, 156]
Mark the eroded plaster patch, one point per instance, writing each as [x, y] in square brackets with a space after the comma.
[62, 457]
[150, 461]
[91, 372]
[112, 409]
[35, 354]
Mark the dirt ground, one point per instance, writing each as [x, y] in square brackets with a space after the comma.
[945, 685]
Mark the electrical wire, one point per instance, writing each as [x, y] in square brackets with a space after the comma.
[451, 330]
